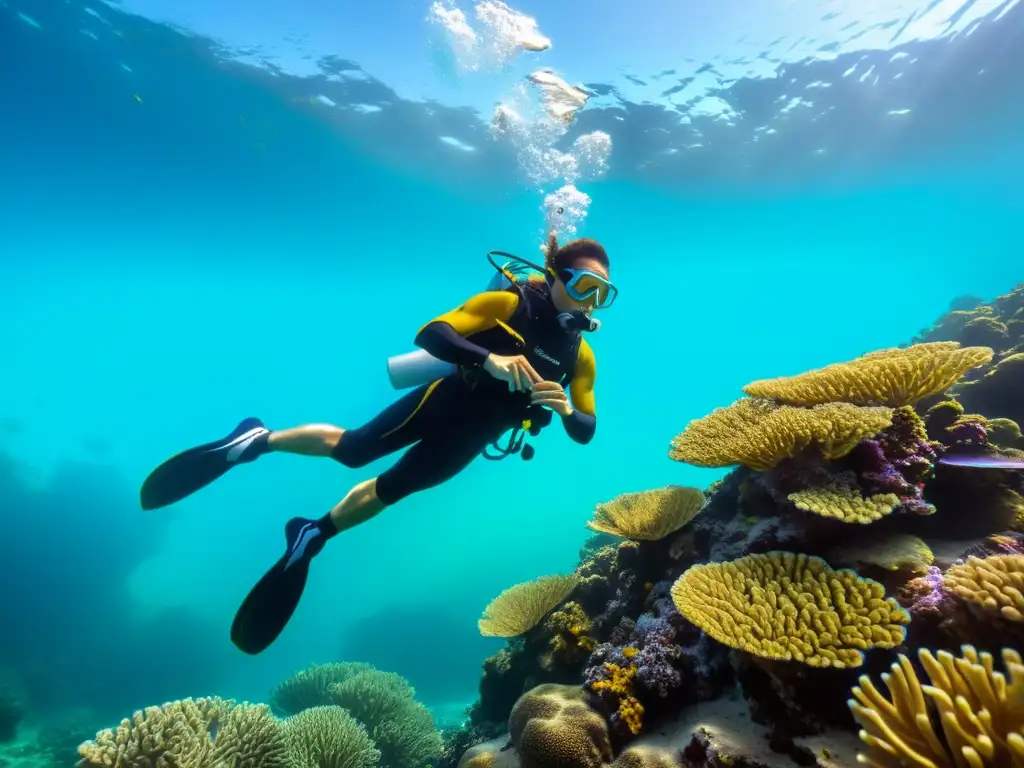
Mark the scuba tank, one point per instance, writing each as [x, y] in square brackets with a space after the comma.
[413, 369]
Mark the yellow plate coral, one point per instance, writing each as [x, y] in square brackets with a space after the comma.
[786, 606]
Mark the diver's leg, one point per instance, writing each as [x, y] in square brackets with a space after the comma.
[306, 440]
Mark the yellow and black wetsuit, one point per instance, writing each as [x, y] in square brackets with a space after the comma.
[450, 421]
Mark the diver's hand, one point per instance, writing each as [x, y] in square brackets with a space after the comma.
[515, 370]
[551, 395]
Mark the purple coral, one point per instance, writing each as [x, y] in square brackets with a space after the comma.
[670, 659]
[898, 461]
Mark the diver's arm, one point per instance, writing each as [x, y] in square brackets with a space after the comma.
[581, 423]
[444, 337]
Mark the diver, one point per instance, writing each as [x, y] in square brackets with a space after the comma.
[511, 352]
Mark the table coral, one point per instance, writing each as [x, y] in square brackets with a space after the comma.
[891, 377]
[781, 605]
[648, 515]
[759, 433]
[838, 497]
[521, 607]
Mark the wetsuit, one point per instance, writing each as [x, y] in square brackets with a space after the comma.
[450, 421]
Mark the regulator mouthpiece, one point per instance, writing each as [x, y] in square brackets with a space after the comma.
[578, 321]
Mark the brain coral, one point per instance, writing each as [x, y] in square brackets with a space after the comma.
[994, 583]
[891, 377]
[551, 726]
[979, 712]
[759, 433]
[648, 515]
[781, 605]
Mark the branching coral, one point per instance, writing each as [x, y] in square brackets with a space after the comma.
[891, 377]
[759, 433]
[520, 608]
[328, 737]
[192, 732]
[648, 515]
[786, 606]
[979, 710]
[993, 583]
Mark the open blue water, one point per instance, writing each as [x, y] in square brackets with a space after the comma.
[186, 240]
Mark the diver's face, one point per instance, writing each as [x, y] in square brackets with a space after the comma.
[560, 296]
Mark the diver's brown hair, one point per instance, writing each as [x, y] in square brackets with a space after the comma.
[565, 256]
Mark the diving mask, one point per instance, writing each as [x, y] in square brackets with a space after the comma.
[584, 285]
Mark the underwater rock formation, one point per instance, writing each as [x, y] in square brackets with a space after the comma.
[863, 519]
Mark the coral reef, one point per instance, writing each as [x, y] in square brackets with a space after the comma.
[870, 513]
[339, 715]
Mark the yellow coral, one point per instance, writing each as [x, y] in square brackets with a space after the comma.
[839, 498]
[569, 627]
[632, 713]
[620, 685]
[891, 551]
[978, 708]
[621, 681]
[781, 605]
[759, 433]
[648, 515]
[995, 583]
[182, 733]
[520, 608]
[891, 377]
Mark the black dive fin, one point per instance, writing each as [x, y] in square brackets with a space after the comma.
[192, 469]
[270, 604]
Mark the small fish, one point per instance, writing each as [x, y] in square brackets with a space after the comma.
[137, 97]
[984, 462]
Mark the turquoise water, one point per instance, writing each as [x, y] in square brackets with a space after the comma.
[185, 243]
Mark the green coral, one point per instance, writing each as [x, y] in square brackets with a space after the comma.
[310, 687]
[401, 727]
[329, 737]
